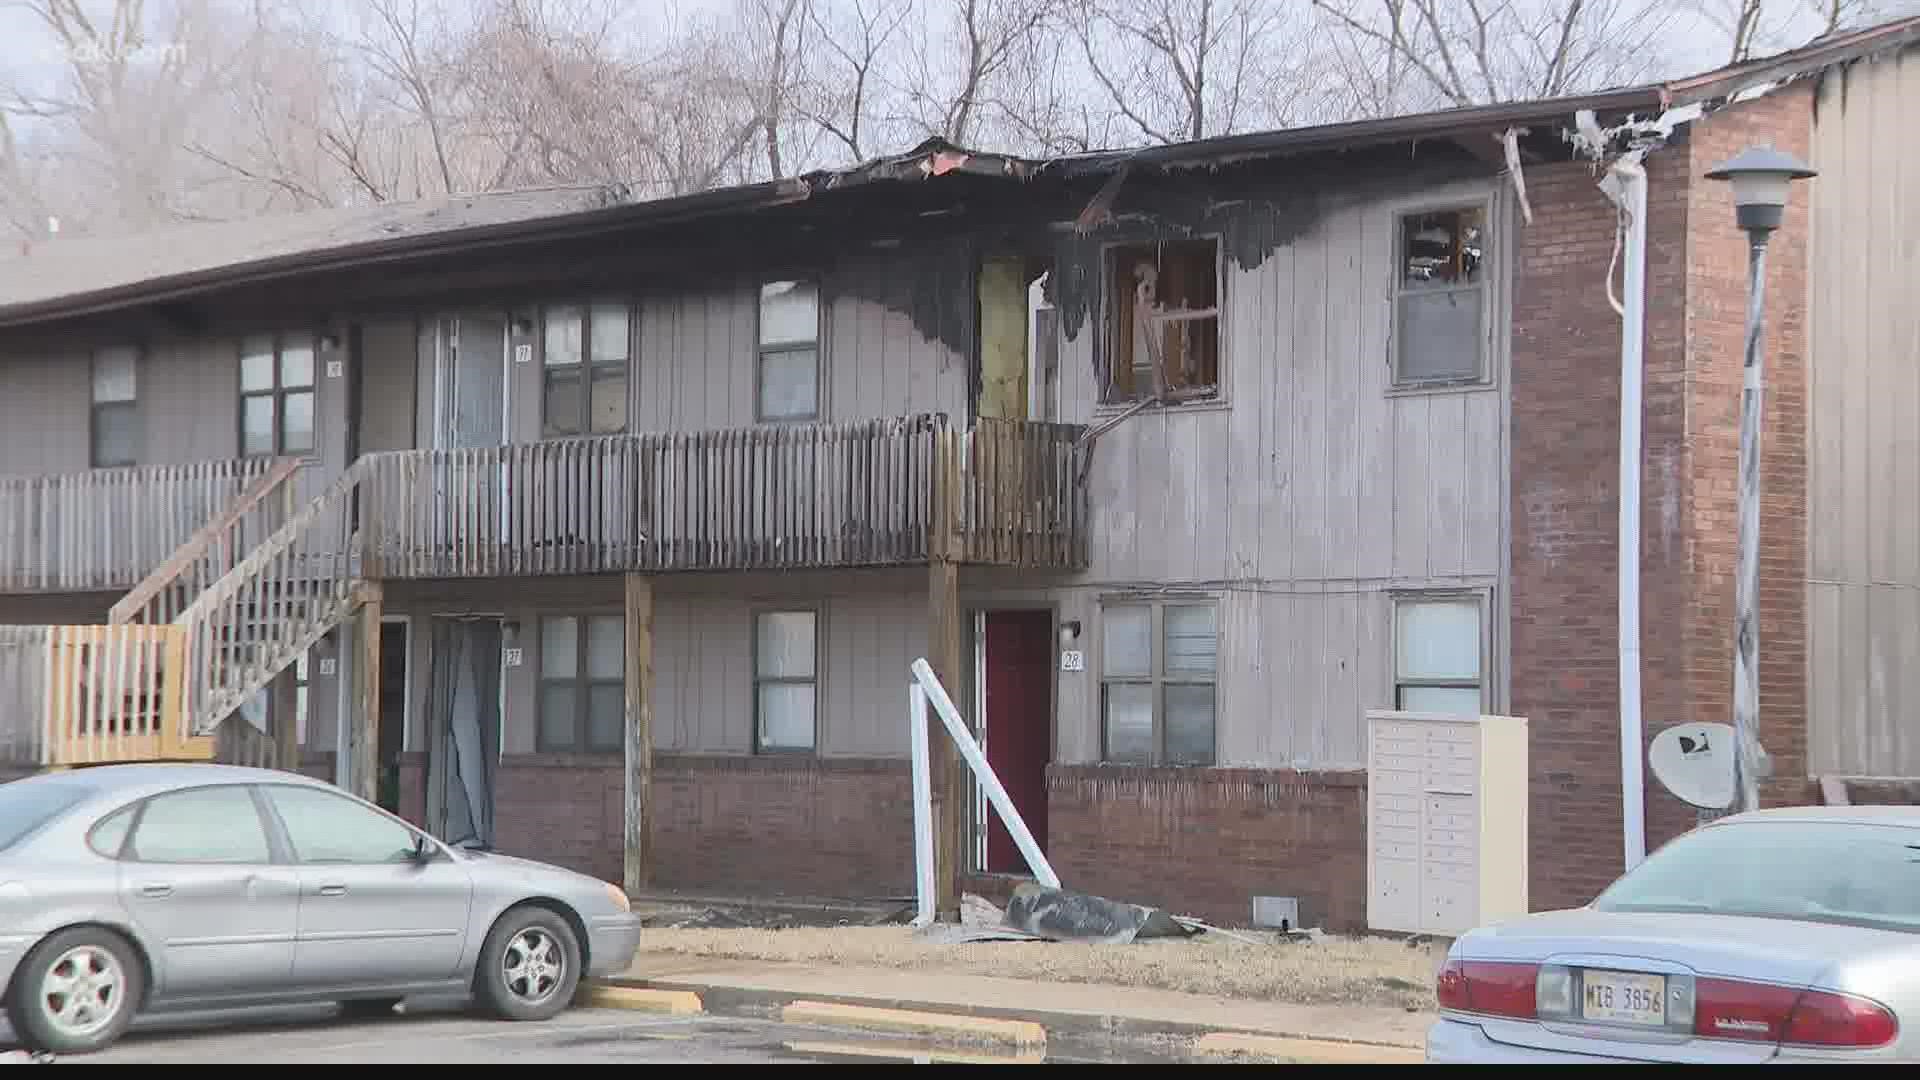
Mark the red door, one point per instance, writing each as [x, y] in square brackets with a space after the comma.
[1019, 716]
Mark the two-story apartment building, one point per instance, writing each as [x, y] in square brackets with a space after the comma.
[606, 529]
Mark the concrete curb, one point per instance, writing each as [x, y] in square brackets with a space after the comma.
[902, 1021]
[1304, 1051]
[642, 999]
[743, 1001]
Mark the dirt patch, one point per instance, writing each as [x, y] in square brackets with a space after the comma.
[1327, 971]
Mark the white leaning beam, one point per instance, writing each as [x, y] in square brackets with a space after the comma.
[970, 750]
[923, 871]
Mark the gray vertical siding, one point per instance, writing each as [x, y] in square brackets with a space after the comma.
[1863, 411]
[388, 385]
[872, 626]
[1304, 499]
[190, 402]
[44, 417]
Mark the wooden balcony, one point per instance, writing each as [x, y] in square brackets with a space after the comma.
[87, 695]
[881, 493]
[109, 528]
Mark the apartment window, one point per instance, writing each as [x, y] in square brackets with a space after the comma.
[1164, 322]
[276, 394]
[585, 359]
[1440, 297]
[116, 417]
[785, 680]
[1158, 665]
[1438, 651]
[789, 379]
[583, 706]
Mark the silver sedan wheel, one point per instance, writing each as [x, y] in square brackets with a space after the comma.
[83, 990]
[533, 964]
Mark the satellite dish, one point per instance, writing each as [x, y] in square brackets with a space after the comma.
[1695, 762]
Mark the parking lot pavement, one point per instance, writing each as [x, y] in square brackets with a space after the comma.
[445, 1033]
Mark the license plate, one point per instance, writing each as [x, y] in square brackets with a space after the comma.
[1624, 997]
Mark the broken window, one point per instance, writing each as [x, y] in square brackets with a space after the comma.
[1440, 297]
[785, 680]
[789, 375]
[1164, 322]
[1437, 655]
[584, 369]
[115, 432]
[1157, 703]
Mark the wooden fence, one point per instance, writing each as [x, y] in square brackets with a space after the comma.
[109, 528]
[83, 695]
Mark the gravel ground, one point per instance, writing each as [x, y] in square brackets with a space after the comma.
[1330, 970]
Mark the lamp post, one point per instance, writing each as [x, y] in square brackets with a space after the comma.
[1760, 176]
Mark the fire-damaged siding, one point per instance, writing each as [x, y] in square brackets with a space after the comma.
[1309, 496]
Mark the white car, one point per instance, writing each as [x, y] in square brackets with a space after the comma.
[1772, 936]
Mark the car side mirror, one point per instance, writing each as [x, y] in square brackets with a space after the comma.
[422, 852]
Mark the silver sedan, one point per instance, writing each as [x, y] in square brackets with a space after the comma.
[1778, 935]
[129, 888]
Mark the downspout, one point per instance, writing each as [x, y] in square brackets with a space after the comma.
[1626, 185]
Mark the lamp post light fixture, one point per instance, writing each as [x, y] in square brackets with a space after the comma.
[1760, 176]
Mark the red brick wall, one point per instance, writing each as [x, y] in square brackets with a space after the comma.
[1204, 842]
[729, 825]
[827, 827]
[1717, 301]
[1565, 447]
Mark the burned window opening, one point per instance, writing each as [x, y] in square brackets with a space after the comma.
[1440, 298]
[1164, 327]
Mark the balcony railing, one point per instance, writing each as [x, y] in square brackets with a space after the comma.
[864, 494]
[109, 528]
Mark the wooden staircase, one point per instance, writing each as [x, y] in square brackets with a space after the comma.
[247, 614]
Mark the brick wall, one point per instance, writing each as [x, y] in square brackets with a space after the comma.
[832, 827]
[1205, 842]
[1565, 449]
[746, 826]
[1717, 302]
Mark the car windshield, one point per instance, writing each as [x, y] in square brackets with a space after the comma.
[25, 806]
[1814, 871]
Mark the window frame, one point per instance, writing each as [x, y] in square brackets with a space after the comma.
[278, 394]
[1492, 259]
[588, 370]
[582, 682]
[762, 349]
[1481, 603]
[758, 680]
[129, 406]
[1107, 399]
[1158, 678]
[263, 814]
[282, 836]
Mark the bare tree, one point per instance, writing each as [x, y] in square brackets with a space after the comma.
[840, 90]
[1185, 69]
[1466, 52]
[404, 44]
[958, 66]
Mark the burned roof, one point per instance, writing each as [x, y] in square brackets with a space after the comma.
[67, 278]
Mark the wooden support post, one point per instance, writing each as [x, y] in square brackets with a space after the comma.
[943, 654]
[365, 742]
[286, 725]
[639, 743]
